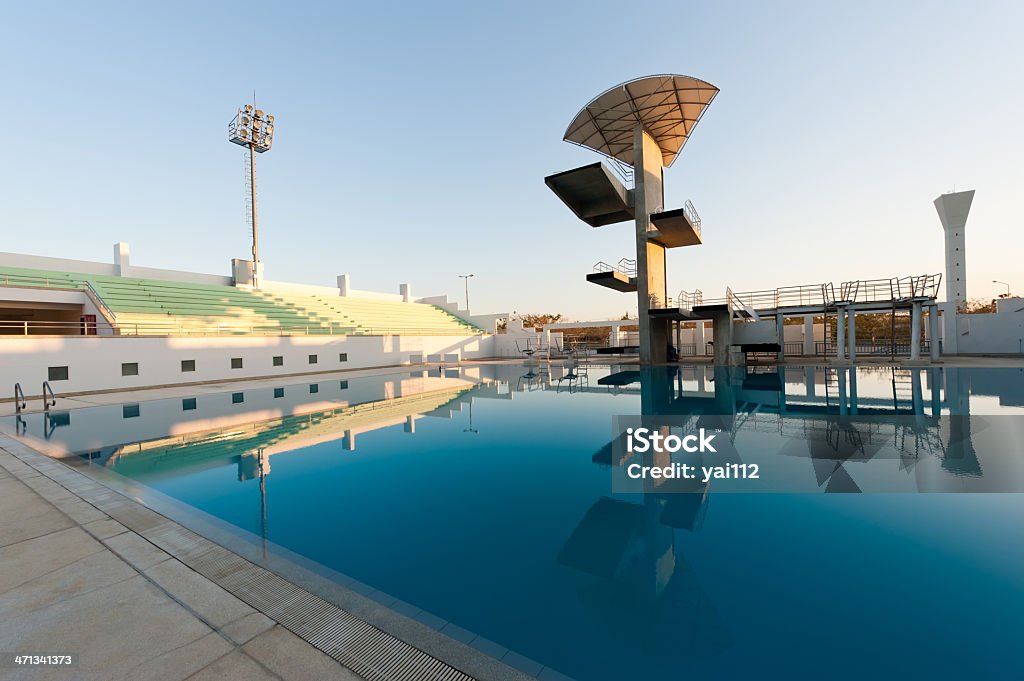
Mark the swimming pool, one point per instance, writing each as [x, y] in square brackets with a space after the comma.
[483, 496]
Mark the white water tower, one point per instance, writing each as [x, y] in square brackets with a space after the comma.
[953, 210]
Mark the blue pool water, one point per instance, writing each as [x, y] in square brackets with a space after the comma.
[481, 496]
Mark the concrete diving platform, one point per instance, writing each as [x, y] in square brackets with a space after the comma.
[620, 378]
[675, 228]
[613, 280]
[593, 193]
[675, 314]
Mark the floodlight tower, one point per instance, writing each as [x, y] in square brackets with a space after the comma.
[641, 126]
[252, 128]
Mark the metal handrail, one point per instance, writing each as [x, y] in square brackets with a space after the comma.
[29, 281]
[47, 403]
[97, 299]
[622, 170]
[19, 398]
[625, 266]
[824, 295]
[25, 328]
[691, 214]
[687, 300]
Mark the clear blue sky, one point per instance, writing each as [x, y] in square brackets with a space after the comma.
[413, 139]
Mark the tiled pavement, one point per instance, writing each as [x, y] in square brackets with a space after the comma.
[85, 570]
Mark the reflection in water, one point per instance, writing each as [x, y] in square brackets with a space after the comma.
[519, 519]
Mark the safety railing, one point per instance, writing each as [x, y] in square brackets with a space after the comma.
[686, 300]
[919, 286]
[891, 289]
[691, 214]
[824, 295]
[871, 348]
[812, 295]
[624, 266]
[97, 300]
[11, 328]
[29, 281]
[622, 171]
[794, 349]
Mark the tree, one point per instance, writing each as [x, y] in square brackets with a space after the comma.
[976, 306]
[530, 321]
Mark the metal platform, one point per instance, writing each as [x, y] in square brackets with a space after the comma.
[866, 295]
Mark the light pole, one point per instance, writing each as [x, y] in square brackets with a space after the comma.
[252, 128]
[471, 429]
[996, 281]
[466, 278]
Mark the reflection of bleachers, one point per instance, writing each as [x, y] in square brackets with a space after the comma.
[154, 307]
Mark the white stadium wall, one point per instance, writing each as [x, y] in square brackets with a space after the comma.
[1001, 332]
[95, 363]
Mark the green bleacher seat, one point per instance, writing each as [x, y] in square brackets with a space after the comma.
[157, 307]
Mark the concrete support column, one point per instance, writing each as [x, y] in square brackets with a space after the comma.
[648, 197]
[780, 330]
[122, 259]
[782, 392]
[808, 335]
[722, 334]
[698, 337]
[933, 333]
[934, 385]
[841, 333]
[915, 331]
[916, 393]
[410, 424]
[679, 337]
[853, 389]
[343, 284]
[949, 329]
[406, 292]
[841, 383]
[852, 334]
[809, 377]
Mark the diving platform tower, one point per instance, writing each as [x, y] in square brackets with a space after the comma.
[641, 126]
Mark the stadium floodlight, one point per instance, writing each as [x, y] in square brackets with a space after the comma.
[252, 128]
[466, 278]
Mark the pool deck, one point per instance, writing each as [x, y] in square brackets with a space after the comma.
[88, 571]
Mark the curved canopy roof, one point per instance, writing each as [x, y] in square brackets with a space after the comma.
[668, 106]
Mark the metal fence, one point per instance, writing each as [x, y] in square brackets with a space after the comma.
[868, 348]
[44, 328]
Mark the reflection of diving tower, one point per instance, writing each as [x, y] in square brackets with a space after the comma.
[953, 210]
[643, 123]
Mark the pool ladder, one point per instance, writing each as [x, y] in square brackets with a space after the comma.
[19, 398]
[49, 397]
